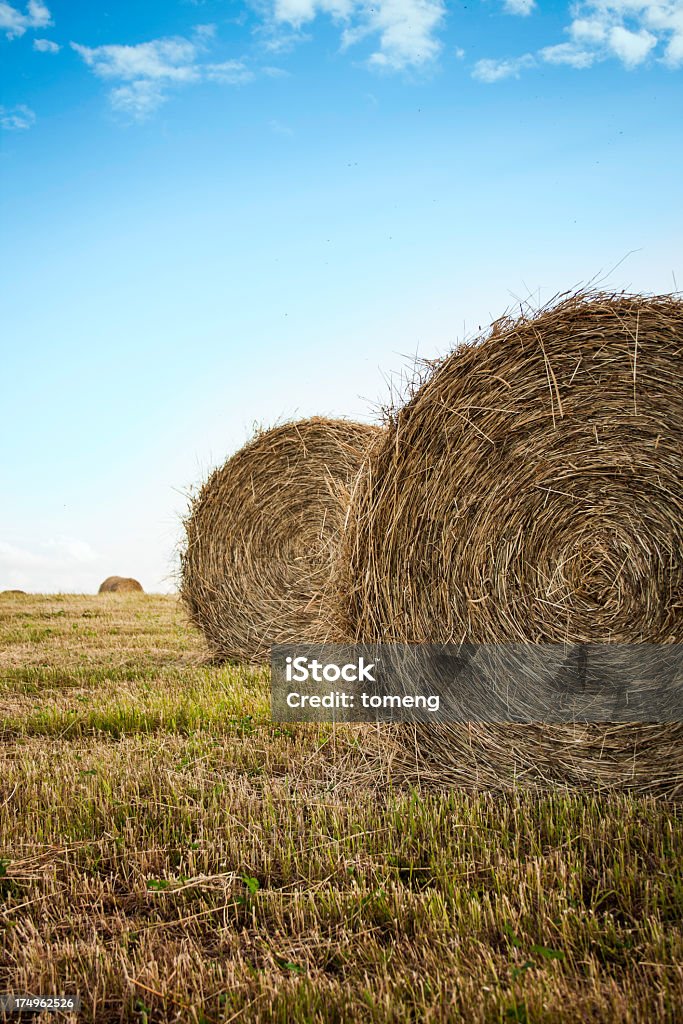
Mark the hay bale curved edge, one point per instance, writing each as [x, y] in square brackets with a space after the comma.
[120, 585]
[262, 533]
[530, 490]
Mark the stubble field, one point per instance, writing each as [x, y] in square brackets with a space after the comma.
[170, 854]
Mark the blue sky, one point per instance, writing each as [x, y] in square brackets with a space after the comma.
[217, 214]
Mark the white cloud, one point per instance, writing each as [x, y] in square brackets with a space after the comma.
[12, 557]
[673, 55]
[587, 30]
[297, 12]
[14, 22]
[46, 46]
[230, 72]
[138, 99]
[52, 552]
[568, 53]
[205, 31]
[406, 30]
[630, 31]
[169, 59]
[39, 14]
[631, 47]
[277, 40]
[145, 72]
[62, 563]
[273, 72]
[69, 549]
[496, 70]
[521, 7]
[14, 119]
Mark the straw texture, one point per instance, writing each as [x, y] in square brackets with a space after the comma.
[530, 489]
[262, 536]
[120, 585]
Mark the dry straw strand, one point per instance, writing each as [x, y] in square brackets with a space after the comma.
[521, 495]
[262, 533]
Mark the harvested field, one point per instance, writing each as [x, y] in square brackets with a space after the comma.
[262, 536]
[174, 856]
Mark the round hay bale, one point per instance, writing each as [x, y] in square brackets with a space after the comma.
[530, 490]
[4, 592]
[120, 585]
[262, 533]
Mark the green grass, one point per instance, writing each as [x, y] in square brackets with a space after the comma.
[172, 855]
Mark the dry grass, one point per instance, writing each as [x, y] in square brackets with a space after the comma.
[530, 490]
[174, 856]
[262, 533]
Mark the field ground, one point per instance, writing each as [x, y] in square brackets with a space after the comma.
[172, 855]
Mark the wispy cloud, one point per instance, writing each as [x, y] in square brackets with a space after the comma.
[496, 70]
[629, 31]
[205, 31]
[280, 129]
[16, 119]
[46, 46]
[521, 7]
[138, 99]
[274, 72]
[298, 12]
[573, 55]
[147, 71]
[171, 60]
[61, 563]
[55, 551]
[15, 22]
[229, 72]
[405, 32]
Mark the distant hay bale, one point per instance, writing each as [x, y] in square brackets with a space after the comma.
[531, 490]
[262, 533]
[3, 592]
[120, 585]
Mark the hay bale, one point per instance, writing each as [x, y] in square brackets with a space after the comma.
[530, 490]
[261, 534]
[120, 585]
[4, 592]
